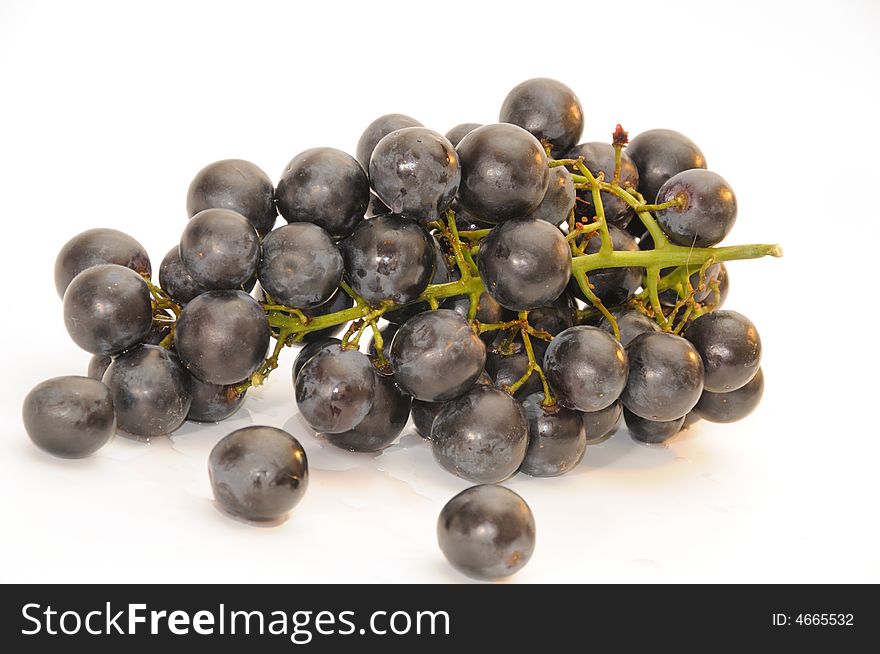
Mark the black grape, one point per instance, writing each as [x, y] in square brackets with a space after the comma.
[376, 131]
[98, 365]
[486, 532]
[504, 173]
[212, 402]
[665, 376]
[382, 424]
[559, 199]
[335, 389]
[176, 280]
[709, 212]
[524, 263]
[222, 336]
[630, 323]
[557, 439]
[730, 347]
[586, 367]
[151, 391]
[457, 133]
[442, 274]
[546, 108]
[651, 431]
[660, 154]
[220, 249]
[733, 405]
[415, 172]
[301, 266]
[481, 436]
[600, 425]
[70, 417]
[326, 187]
[309, 350]
[258, 473]
[437, 356]
[388, 258]
[237, 185]
[107, 309]
[95, 247]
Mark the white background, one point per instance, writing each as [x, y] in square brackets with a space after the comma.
[107, 110]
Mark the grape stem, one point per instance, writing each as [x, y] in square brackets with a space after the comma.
[533, 367]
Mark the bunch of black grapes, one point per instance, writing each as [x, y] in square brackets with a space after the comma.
[462, 246]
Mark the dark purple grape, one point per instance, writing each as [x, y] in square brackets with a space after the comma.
[176, 280]
[651, 431]
[258, 473]
[691, 418]
[487, 532]
[151, 391]
[524, 263]
[709, 210]
[95, 247]
[309, 350]
[107, 309]
[222, 336]
[98, 366]
[335, 389]
[442, 274]
[301, 266]
[630, 323]
[340, 301]
[457, 133]
[546, 108]
[559, 199]
[415, 172]
[481, 436]
[504, 173]
[236, 185]
[388, 258]
[600, 425]
[220, 250]
[437, 356]
[660, 154]
[382, 424]
[552, 318]
[506, 369]
[665, 376]
[557, 439]
[213, 403]
[70, 417]
[326, 187]
[730, 347]
[599, 158]
[586, 368]
[612, 285]
[733, 405]
[376, 131]
[423, 414]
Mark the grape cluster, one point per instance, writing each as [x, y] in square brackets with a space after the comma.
[523, 293]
